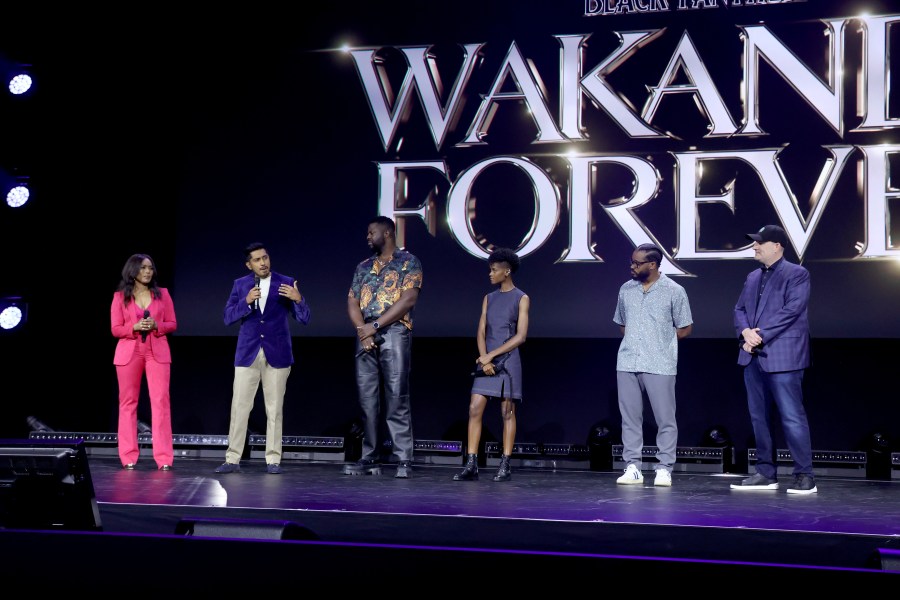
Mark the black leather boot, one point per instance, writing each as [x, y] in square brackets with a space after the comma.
[503, 473]
[470, 471]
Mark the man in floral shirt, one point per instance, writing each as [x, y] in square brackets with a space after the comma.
[380, 305]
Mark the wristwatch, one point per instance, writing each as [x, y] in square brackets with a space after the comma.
[375, 325]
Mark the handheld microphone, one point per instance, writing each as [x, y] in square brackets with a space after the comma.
[256, 284]
[498, 369]
[481, 373]
[379, 340]
[144, 333]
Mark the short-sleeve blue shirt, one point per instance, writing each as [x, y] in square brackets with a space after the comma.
[650, 318]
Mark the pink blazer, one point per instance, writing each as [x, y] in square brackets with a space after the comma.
[123, 318]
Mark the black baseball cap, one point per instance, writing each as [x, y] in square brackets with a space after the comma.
[769, 233]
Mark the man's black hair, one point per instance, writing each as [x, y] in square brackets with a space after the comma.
[386, 222]
[651, 252]
[251, 247]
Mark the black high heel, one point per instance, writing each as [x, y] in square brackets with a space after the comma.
[470, 470]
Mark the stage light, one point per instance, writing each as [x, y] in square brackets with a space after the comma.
[719, 439]
[878, 456]
[20, 83]
[15, 187]
[17, 75]
[17, 195]
[716, 437]
[186, 445]
[13, 313]
[600, 440]
[353, 439]
[37, 425]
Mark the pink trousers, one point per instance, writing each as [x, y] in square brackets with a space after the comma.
[129, 377]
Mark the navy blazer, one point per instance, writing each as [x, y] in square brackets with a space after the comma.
[780, 314]
[270, 329]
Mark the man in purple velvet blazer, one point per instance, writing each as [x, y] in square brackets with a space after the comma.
[262, 301]
[772, 325]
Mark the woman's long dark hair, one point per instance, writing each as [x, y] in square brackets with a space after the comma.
[130, 272]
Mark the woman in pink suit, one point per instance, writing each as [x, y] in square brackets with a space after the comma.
[141, 316]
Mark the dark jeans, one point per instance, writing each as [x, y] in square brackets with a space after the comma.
[388, 366]
[765, 392]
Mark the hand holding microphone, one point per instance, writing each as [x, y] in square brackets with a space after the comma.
[481, 373]
[377, 341]
[144, 331]
[256, 285]
[499, 367]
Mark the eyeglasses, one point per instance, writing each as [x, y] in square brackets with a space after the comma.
[637, 263]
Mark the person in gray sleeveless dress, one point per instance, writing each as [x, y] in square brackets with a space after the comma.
[498, 369]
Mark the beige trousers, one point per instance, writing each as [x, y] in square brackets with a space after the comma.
[246, 384]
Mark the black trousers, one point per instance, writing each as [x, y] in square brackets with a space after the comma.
[387, 366]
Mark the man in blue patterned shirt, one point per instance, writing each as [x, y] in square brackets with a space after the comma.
[654, 313]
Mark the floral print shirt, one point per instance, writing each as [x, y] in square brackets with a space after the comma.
[377, 287]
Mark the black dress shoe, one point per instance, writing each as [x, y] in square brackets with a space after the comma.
[128, 467]
[166, 468]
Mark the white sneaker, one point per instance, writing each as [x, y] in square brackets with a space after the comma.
[663, 478]
[632, 476]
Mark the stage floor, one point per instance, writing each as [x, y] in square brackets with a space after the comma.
[847, 524]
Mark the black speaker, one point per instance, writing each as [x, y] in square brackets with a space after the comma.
[46, 484]
[887, 559]
[244, 529]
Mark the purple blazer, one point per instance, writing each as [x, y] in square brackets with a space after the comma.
[780, 314]
[269, 329]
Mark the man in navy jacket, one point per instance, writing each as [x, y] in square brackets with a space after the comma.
[262, 301]
[772, 325]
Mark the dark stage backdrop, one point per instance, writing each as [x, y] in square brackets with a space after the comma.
[572, 131]
[570, 137]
